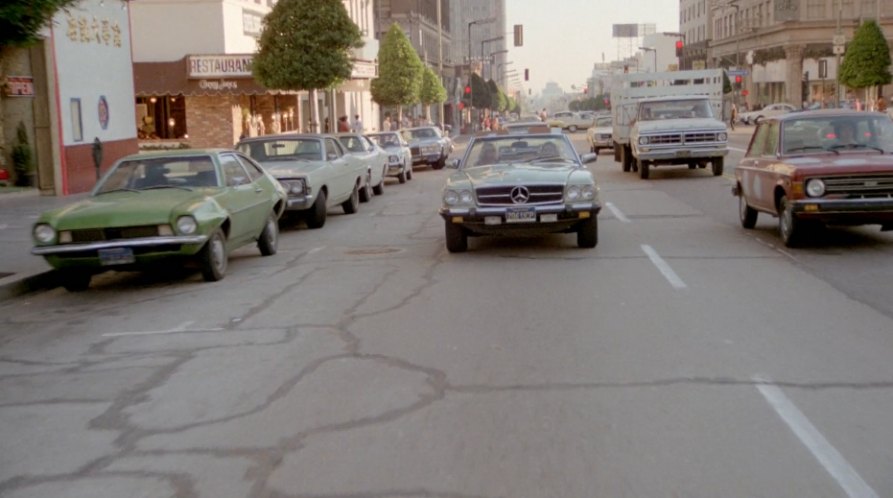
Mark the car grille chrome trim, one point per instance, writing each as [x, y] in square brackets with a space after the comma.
[502, 195]
[145, 242]
[101, 234]
[694, 137]
[864, 186]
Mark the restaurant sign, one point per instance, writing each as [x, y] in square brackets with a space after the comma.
[219, 66]
[364, 70]
[18, 86]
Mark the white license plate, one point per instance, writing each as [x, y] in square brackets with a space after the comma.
[116, 256]
[683, 153]
[520, 215]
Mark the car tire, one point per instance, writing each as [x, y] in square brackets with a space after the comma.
[365, 191]
[316, 215]
[268, 242]
[644, 169]
[717, 164]
[409, 174]
[456, 238]
[439, 164]
[789, 227]
[692, 165]
[587, 233]
[379, 189]
[625, 160]
[213, 259]
[572, 128]
[352, 203]
[757, 120]
[746, 214]
[75, 280]
[402, 176]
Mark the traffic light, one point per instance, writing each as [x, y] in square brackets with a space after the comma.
[738, 80]
[527, 75]
[467, 89]
[679, 46]
[519, 35]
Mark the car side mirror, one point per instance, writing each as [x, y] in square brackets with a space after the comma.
[589, 157]
[331, 156]
[454, 164]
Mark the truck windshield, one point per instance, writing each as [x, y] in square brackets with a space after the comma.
[674, 109]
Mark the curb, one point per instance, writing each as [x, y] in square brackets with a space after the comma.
[18, 285]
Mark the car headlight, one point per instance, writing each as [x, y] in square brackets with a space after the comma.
[456, 197]
[430, 149]
[294, 186]
[186, 225]
[573, 193]
[393, 159]
[643, 140]
[465, 196]
[44, 233]
[722, 137]
[587, 192]
[815, 188]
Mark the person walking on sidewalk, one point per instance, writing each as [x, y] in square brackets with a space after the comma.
[733, 116]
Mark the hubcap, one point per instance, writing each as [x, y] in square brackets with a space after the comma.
[742, 206]
[786, 220]
[272, 231]
[218, 255]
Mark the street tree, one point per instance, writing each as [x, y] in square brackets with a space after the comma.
[432, 90]
[480, 92]
[305, 45]
[400, 72]
[867, 60]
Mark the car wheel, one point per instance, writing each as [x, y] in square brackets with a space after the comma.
[402, 176]
[572, 128]
[409, 174]
[439, 164]
[268, 242]
[379, 189]
[316, 215]
[75, 280]
[625, 160]
[587, 233]
[789, 227]
[213, 258]
[692, 165]
[456, 238]
[746, 214]
[717, 163]
[644, 169]
[757, 120]
[366, 190]
[352, 203]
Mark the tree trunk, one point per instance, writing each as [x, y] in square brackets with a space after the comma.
[314, 112]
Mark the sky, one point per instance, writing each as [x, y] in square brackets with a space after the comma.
[564, 38]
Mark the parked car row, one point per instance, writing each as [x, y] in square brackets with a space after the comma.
[197, 206]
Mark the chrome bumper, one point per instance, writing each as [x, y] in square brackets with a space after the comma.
[109, 244]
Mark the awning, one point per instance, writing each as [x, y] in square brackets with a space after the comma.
[170, 78]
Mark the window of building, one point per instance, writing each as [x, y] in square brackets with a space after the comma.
[815, 9]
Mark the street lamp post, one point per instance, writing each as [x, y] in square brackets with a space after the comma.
[483, 42]
[471, 94]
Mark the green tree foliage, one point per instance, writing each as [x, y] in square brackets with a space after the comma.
[305, 45]
[480, 92]
[399, 71]
[432, 90]
[726, 83]
[867, 58]
[21, 20]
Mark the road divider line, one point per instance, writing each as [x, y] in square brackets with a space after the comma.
[845, 475]
[616, 212]
[664, 268]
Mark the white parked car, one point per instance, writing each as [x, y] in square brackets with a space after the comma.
[771, 110]
[569, 120]
[376, 160]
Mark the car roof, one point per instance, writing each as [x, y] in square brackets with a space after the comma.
[676, 98]
[826, 113]
[177, 153]
[288, 136]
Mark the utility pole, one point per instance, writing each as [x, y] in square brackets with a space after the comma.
[839, 14]
[440, 57]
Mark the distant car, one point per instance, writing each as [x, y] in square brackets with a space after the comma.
[376, 160]
[818, 167]
[600, 134]
[533, 183]
[316, 171]
[194, 206]
[569, 120]
[771, 110]
[399, 154]
[428, 145]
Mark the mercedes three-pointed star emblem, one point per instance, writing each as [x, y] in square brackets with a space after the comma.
[520, 195]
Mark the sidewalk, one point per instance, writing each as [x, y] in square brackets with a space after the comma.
[20, 271]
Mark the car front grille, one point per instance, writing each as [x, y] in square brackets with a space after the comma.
[101, 234]
[679, 138]
[502, 196]
[866, 186]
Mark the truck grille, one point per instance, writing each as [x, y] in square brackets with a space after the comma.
[101, 234]
[696, 137]
[502, 196]
[860, 186]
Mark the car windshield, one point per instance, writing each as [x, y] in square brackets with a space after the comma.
[283, 149]
[421, 133]
[166, 172]
[604, 121]
[385, 139]
[674, 109]
[544, 150]
[837, 134]
[352, 144]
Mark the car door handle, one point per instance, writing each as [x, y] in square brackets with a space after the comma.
[259, 190]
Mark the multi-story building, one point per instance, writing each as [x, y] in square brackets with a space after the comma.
[193, 80]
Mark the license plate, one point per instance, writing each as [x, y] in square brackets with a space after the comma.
[116, 256]
[520, 215]
[683, 153]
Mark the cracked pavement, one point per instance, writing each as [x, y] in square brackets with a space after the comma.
[365, 361]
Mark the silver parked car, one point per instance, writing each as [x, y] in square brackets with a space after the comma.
[399, 154]
[376, 160]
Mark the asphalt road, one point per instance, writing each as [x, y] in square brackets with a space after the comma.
[682, 357]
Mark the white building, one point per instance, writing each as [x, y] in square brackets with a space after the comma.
[192, 70]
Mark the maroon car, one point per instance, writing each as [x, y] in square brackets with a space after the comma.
[815, 168]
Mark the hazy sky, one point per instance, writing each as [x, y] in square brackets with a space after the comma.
[564, 38]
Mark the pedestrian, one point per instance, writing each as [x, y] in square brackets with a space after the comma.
[327, 127]
[386, 124]
[881, 104]
[734, 116]
[357, 124]
[343, 125]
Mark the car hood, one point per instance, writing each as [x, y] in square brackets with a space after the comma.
[514, 174]
[424, 141]
[680, 124]
[603, 129]
[289, 169]
[847, 163]
[393, 148]
[117, 209]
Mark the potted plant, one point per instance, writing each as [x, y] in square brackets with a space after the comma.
[23, 158]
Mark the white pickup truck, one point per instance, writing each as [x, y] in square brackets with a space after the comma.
[669, 118]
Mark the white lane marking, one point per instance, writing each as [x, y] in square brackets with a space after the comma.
[616, 212]
[664, 268]
[315, 250]
[736, 149]
[845, 475]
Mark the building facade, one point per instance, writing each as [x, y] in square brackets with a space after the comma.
[194, 84]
